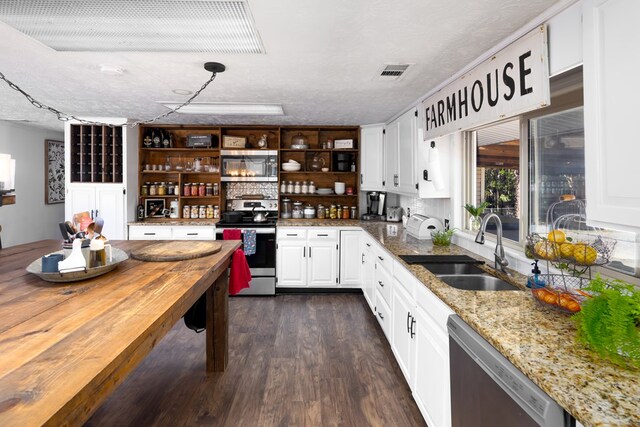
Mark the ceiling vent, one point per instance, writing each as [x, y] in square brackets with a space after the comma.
[392, 72]
[140, 26]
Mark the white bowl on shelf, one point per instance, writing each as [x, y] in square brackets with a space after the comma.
[293, 162]
[324, 191]
[289, 167]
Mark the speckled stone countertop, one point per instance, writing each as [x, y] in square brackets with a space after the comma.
[168, 222]
[319, 223]
[537, 341]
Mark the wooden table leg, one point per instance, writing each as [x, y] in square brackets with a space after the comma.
[218, 324]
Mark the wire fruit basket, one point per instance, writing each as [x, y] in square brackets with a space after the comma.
[560, 292]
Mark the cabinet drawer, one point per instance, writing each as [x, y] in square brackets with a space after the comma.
[383, 314]
[383, 283]
[405, 278]
[323, 234]
[149, 233]
[384, 258]
[433, 306]
[292, 234]
[194, 233]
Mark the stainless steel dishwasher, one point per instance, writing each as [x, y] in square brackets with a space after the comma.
[487, 390]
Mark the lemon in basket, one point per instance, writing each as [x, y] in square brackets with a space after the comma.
[557, 236]
[566, 250]
[546, 250]
[585, 254]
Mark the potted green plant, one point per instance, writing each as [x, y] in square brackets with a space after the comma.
[609, 321]
[475, 214]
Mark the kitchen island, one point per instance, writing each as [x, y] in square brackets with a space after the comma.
[65, 347]
[539, 342]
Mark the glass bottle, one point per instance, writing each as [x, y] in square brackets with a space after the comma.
[290, 187]
[209, 191]
[312, 187]
[345, 212]
[216, 189]
[283, 187]
[333, 211]
[304, 188]
[339, 212]
[296, 187]
[286, 209]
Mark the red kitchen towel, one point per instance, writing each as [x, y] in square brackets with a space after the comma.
[240, 275]
[231, 234]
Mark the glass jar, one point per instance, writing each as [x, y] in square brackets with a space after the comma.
[216, 189]
[290, 187]
[186, 189]
[321, 213]
[144, 190]
[216, 212]
[202, 212]
[209, 190]
[186, 212]
[167, 164]
[339, 211]
[202, 189]
[209, 211]
[354, 212]
[312, 188]
[304, 188]
[283, 187]
[333, 211]
[345, 212]
[296, 187]
[194, 189]
[162, 189]
[195, 210]
[309, 212]
[285, 209]
[153, 189]
[297, 211]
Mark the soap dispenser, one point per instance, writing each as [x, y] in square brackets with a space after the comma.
[535, 281]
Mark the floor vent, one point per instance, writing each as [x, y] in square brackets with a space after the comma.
[392, 72]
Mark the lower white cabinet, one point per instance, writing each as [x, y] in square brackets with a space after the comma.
[307, 258]
[168, 232]
[368, 263]
[383, 314]
[350, 258]
[403, 324]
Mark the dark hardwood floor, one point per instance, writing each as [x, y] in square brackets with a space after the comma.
[295, 360]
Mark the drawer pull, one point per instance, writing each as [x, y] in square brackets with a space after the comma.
[292, 235]
[323, 235]
[192, 234]
[380, 316]
[149, 234]
[381, 284]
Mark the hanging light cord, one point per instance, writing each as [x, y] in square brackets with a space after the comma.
[64, 117]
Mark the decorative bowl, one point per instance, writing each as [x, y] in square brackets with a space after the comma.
[288, 167]
[118, 256]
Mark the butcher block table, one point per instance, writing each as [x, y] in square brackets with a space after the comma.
[65, 347]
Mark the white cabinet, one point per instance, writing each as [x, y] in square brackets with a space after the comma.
[368, 261]
[104, 200]
[307, 258]
[610, 97]
[166, 232]
[400, 149]
[383, 315]
[372, 158]
[403, 324]
[350, 258]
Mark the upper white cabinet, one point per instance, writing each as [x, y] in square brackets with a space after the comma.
[400, 154]
[434, 167]
[372, 158]
[565, 39]
[610, 98]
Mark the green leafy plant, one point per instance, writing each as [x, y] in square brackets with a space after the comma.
[476, 211]
[442, 238]
[609, 323]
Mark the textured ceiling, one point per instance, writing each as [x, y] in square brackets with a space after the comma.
[321, 62]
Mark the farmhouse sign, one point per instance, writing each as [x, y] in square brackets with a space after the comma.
[513, 81]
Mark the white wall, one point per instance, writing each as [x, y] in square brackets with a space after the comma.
[30, 219]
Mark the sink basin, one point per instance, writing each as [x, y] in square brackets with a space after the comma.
[476, 282]
[453, 268]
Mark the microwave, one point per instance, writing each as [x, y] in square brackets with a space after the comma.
[249, 165]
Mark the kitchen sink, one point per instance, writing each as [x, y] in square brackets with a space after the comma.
[437, 268]
[476, 282]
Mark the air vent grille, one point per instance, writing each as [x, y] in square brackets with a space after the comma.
[144, 26]
[391, 72]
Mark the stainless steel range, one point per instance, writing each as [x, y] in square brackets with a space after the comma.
[263, 262]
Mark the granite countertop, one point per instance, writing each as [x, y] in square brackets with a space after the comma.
[168, 222]
[540, 342]
[319, 223]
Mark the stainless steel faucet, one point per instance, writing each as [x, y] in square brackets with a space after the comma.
[499, 257]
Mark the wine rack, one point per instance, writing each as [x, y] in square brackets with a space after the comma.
[96, 154]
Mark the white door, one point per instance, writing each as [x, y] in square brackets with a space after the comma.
[402, 310]
[391, 156]
[407, 138]
[350, 258]
[110, 206]
[323, 264]
[291, 265]
[371, 158]
[431, 387]
[80, 198]
[610, 109]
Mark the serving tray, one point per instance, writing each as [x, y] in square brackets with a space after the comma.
[75, 276]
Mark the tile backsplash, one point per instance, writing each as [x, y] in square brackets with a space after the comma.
[235, 190]
[437, 208]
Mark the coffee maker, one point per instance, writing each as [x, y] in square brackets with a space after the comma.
[375, 206]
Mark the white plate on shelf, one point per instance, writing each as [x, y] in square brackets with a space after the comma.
[324, 191]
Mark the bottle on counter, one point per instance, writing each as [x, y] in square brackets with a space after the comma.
[209, 211]
[202, 212]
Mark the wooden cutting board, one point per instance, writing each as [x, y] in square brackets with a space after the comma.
[176, 251]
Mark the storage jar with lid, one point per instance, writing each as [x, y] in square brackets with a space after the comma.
[153, 189]
[333, 211]
[321, 212]
[354, 212]
[202, 212]
[195, 210]
[144, 190]
[202, 189]
[216, 212]
[285, 209]
[209, 211]
[186, 212]
[309, 211]
[186, 189]
[345, 212]
[339, 211]
[216, 189]
[209, 189]
[297, 211]
[162, 189]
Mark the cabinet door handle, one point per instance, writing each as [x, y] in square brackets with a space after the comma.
[368, 245]
[97, 213]
[408, 322]
[309, 251]
[362, 259]
[380, 258]
[304, 252]
[381, 284]
[413, 323]
[380, 316]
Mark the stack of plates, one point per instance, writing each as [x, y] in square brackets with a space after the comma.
[324, 191]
